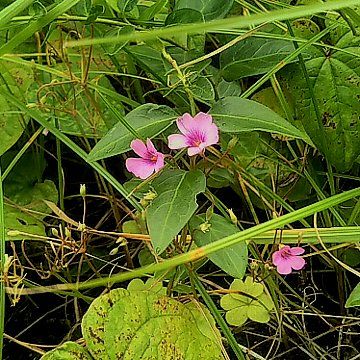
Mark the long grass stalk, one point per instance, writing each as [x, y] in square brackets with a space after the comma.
[227, 23]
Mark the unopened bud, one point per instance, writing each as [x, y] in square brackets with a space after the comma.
[121, 241]
[55, 232]
[150, 195]
[209, 213]
[233, 217]
[114, 251]
[67, 233]
[81, 227]
[83, 190]
[205, 227]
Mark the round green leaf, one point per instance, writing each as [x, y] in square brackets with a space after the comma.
[237, 316]
[134, 325]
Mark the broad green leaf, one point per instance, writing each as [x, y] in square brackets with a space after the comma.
[134, 325]
[12, 123]
[210, 9]
[67, 351]
[335, 78]
[174, 205]
[17, 221]
[147, 120]
[233, 260]
[235, 115]
[354, 298]
[253, 56]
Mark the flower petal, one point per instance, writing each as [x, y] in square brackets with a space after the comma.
[297, 262]
[185, 123]
[194, 150]
[159, 162]
[297, 250]
[141, 168]
[150, 147]
[139, 148]
[203, 120]
[177, 141]
[212, 135]
[284, 268]
[277, 258]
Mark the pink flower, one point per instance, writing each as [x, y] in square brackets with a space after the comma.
[287, 259]
[150, 160]
[196, 133]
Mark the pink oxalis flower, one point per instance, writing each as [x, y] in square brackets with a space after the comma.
[196, 133]
[150, 160]
[287, 259]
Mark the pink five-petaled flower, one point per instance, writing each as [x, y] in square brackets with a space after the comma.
[287, 259]
[150, 160]
[196, 133]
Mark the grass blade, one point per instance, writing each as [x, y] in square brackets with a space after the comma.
[205, 250]
[37, 25]
[12, 10]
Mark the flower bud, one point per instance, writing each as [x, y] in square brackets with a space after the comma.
[205, 227]
[233, 217]
[55, 232]
[114, 251]
[83, 190]
[67, 233]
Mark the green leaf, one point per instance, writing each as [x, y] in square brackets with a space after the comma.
[174, 205]
[354, 298]
[251, 302]
[335, 78]
[235, 115]
[152, 284]
[134, 325]
[19, 221]
[210, 9]
[67, 351]
[233, 260]
[147, 120]
[126, 5]
[253, 56]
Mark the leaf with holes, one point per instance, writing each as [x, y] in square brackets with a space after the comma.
[147, 121]
[335, 78]
[67, 351]
[233, 259]
[134, 325]
[175, 204]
